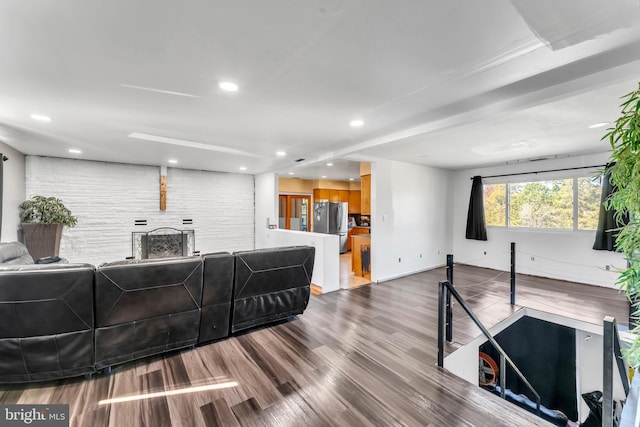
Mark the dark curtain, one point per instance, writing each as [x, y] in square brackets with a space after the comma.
[475, 217]
[607, 224]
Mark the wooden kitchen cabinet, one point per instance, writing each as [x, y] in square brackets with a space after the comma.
[320, 194]
[346, 196]
[365, 196]
[354, 202]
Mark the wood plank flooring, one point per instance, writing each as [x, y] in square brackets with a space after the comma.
[349, 280]
[365, 356]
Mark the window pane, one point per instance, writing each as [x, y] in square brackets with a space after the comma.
[589, 194]
[541, 204]
[495, 205]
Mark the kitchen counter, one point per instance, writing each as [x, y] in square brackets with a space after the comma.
[361, 255]
[355, 231]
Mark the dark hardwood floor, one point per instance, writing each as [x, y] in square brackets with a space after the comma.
[365, 356]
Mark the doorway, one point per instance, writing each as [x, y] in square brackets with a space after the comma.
[294, 212]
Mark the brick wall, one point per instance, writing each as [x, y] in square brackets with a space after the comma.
[108, 197]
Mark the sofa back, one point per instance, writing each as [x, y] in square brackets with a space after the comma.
[47, 321]
[217, 289]
[63, 320]
[146, 307]
[270, 284]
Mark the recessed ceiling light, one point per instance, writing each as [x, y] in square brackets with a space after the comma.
[324, 176]
[243, 168]
[599, 125]
[228, 86]
[41, 117]
[329, 164]
[173, 161]
[290, 173]
[356, 123]
[351, 179]
[75, 151]
[281, 153]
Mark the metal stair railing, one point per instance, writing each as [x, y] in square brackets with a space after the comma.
[445, 290]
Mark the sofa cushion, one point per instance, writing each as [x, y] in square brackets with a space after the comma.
[133, 290]
[146, 307]
[14, 253]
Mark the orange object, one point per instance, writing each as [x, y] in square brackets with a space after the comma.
[487, 369]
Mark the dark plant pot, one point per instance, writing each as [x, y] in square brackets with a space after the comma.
[42, 240]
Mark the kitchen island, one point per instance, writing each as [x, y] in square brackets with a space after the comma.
[354, 231]
[361, 255]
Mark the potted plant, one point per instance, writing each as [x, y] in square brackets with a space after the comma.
[624, 169]
[42, 221]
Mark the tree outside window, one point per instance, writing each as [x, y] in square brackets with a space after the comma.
[562, 204]
[495, 205]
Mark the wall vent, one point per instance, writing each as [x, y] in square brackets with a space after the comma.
[187, 221]
[140, 222]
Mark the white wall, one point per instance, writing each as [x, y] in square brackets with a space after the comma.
[326, 268]
[266, 211]
[108, 197]
[411, 225]
[13, 192]
[566, 255]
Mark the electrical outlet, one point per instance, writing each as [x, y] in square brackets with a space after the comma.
[399, 259]
[533, 258]
[607, 267]
[485, 252]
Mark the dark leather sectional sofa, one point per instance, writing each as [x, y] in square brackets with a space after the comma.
[63, 320]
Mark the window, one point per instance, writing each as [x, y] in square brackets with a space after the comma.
[589, 199]
[495, 204]
[557, 204]
[541, 204]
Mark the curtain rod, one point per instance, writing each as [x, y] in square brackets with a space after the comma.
[550, 170]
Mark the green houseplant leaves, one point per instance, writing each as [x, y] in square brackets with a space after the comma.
[46, 210]
[624, 168]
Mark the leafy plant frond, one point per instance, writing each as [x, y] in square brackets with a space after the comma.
[46, 210]
[624, 172]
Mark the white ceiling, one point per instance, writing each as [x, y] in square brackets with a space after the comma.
[450, 84]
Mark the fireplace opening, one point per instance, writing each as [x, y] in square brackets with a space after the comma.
[162, 243]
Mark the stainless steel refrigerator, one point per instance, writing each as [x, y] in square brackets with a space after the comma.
[331, 218]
